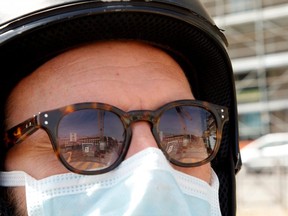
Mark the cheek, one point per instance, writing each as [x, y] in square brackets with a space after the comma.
[17, 200]
[202, 172]
[35, 158]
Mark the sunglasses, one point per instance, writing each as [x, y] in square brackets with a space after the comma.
[93, 138]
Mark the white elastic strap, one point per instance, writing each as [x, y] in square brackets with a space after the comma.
[12, 179]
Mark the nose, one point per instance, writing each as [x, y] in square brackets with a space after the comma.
[142, 138]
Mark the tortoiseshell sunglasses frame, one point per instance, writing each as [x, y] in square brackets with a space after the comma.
[49, 121]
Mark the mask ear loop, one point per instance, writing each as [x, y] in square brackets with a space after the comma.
[12, 179]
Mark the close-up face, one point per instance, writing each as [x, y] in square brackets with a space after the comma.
[127, 75]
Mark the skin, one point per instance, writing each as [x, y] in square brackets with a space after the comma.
[128, 75]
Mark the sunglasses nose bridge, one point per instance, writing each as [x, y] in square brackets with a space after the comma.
[138, 115]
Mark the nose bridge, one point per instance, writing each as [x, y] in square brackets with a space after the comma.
[142, 136]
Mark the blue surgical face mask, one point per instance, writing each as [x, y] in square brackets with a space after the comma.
[144, 184]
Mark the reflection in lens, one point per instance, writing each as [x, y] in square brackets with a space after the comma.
[90, 139]
[187, 134]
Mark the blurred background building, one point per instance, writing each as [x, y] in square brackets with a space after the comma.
[257, 31]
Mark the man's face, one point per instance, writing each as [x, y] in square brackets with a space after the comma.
[130, 76]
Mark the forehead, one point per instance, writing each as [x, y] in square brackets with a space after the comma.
[129, 75]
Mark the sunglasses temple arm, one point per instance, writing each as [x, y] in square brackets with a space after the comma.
[20, 132]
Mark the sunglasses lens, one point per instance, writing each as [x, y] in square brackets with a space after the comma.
[187, 134]
[90, 139]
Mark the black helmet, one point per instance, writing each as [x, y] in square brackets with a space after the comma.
[32, 34]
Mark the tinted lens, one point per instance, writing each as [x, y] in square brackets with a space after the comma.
[187, 134]
[90, 139]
